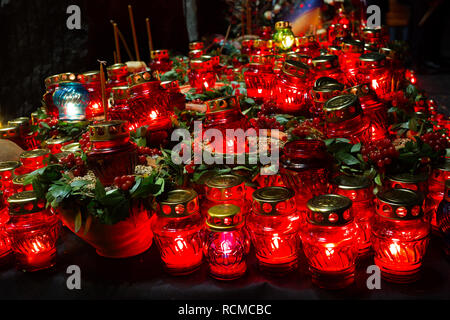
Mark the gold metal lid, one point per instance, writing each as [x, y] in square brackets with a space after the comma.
[371, 32]
[224, 181]
[19, 180]
[89, 76]
[352, 46]
[160, 54]
[108, 130]
[372, 60]
[341, 108]
[400, 204]
[262, 43]
[53, 141]
[9, 131]
[196, 45]
[117, 66]
[178, 203]
[58, 78]
[222, 104]
[274, 201]
[224, 217]
[120, 93]
[24, 203]
[351, 182]
[71, 147]
[9, 165]
[34, 153]
[298, 57]
[139, 78]
[407, 177]
[324, 81]
[282, 25]
[295, 68]
[261, 59]
[22, 121]
[388, 52]
[329, 210]
[51, 80]
[195, 54]
[201, 63]
[325, 62]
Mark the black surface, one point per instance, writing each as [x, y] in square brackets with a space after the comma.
[142, 277]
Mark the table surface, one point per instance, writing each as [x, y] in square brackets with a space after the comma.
[142, 277]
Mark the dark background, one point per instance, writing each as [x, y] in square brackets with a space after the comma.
[35, 42]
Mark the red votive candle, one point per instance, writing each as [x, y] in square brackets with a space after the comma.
[260, 78]
[160, 61]
[178, 228]
[33, 160]
[91, 81]
[330, 241]
[400, 234]
[33, 231]
[225, 243]
[6, 177]
[274, 224]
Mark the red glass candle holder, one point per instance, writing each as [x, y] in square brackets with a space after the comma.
[12, 133]
[225, 243]
[54, 144]
[196, 45]
[246, 46]
[201, 74]
[358, 189]
[274, 224]
[6, 177]
[344, 118]
[195, 54]
[223, 114]
[5, 242]
[337, 33]
[91, 82]
[177, 229]
[33, 231]
[260, 78]
[177, 100]
[304, 168]
[160, 61]
[307, 45]
[400, 235]
[119, 108]
[262, 47]
[330, 241]
[112, 154]
[327, 66]
[416, 182]
[374, 109]
[291, 90]
[117, 77]
[396, 67]
[225, 189]
[265, 32]
[149, 103]
[436, 188]
[18, 184]
[373, 70]
[349, 59]
[323, 90]
[376, 37]
[33, 160]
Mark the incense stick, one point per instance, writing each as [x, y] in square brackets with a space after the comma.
[133, 30]
[102, 81]
[116, 41]
[149, 35]
[125, 44]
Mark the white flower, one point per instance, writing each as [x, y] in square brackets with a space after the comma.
[268, 15]
[276, 8]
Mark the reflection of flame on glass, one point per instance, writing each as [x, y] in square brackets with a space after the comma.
[226, 247]
[71, 109]
[153, 115]
[287, 41]
[329, 249]
[180, 244]
[375, 84]
[394, 248]
[37, 246]
[276, 241]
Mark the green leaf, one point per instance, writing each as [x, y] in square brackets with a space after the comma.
[378, 180]
[356, 148]
[346, 158]
[99, 191]
[78, 221]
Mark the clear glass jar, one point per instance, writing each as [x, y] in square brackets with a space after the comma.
[344, 118]
[273, 225]
[178, 230]
[359, 190]
[33, 231]
[400, 234]
[112, 154]
[330, 241]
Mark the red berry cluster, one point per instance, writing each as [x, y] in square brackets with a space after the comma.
[263, 122]
[268, 108]
[380, 152]
[85, 142]
[76, 164]
[145, 152]
[52, 123]
[438, 142]
[125, 182]
[307, 128]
